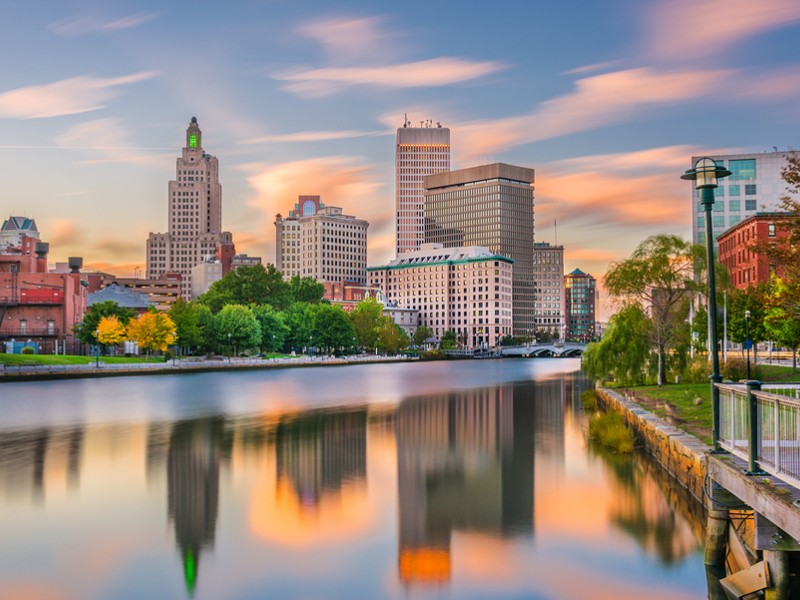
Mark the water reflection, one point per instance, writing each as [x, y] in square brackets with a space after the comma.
[477, 490]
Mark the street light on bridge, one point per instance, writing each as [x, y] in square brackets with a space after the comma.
[705, 174]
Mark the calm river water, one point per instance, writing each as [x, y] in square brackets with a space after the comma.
[432, 480]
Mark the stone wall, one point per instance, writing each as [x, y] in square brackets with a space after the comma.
[680, 453]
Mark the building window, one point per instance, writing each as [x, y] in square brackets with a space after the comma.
[734, 205]
[749, 204]
[771, 230]
[742, 170]
[734, 190]
[23, 326]
[750, 189]
[51, 327]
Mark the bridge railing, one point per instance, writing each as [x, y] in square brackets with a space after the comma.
[761, 424]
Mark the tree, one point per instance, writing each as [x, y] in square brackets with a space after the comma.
[186, 316]
[305, 289]
[391, 337]
[86, 331]
[299, 321]
[367, 317]
[110, 331]
[780, 322]
[332, 329]
[248, 285]
[624, 351]
[237, 326]
[449, 340]
[273, 328]
[657, 277]
[421, 334]
[755, 300]
[152, 331]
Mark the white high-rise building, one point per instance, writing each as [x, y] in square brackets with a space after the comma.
[320, 241]
[194, 215]
[548, 277]
[419, 151]
[755, 186]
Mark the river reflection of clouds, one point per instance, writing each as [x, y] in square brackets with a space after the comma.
[480, 492]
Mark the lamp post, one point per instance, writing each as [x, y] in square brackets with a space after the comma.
[705, 174]
[747, 342]
[229, 348]
[97, 352]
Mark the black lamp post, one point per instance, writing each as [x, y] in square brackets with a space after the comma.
[705, 174]
[747, 341]
[97, 351]
[229, 347]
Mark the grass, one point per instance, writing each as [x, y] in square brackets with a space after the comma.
[50, 359]
[609, 430]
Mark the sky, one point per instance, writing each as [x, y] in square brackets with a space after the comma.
[606, 101]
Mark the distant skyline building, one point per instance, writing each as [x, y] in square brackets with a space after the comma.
[14, 229]
[194, 215]
[755, 186]
[466, 289]
[320, 241]
[548, 275]
[491, 206]
[419, 151]
[581, 306]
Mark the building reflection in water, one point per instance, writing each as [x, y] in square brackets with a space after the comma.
[318, 452]
[465, 462]
[196, 449]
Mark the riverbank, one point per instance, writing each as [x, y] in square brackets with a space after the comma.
[10, 373]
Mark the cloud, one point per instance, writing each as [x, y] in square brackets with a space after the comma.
[94, 24]
[108, 138]
[597, 101]
[63, 232]
[120, 269]
[692, 29]
[350, 40]
[119, 248]
[424, 73]
[313, 136]
[593, 68]
[342, 181]
[65, 97]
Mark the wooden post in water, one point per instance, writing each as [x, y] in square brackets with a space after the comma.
[716, 537]
[778, 563]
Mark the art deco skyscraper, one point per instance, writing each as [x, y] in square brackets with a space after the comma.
[419, 151]
[194, 215]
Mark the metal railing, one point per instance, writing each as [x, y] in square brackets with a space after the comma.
[761, 424]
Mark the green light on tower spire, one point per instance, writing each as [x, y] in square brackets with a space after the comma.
[192, 140]
[189, 570]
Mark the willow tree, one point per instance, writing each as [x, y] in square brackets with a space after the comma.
[658, 277]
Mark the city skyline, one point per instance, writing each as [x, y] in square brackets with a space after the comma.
[307, 101]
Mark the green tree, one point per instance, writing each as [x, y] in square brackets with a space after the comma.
[188, 330]
[209, 340]
[299, 322]
[332, 329]
[421, 334]
[624, 350]
[391, 337]
[305, 289]
[657, 277]
[273, 328]
[754, 299]
[449, 340]
[86, 330]
[781, 323]
[236, 326]
[248, 285]
[367, 317]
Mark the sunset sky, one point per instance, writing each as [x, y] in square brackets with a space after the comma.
[607, 101]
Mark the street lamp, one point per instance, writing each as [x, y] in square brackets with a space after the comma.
[747, 342]
[705, 174]
[229, 348]
[97, 350]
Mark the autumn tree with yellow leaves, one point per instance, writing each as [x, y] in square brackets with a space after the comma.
[111, 331]
[152, 331]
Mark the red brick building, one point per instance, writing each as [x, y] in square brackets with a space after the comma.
[736, 248]
[36, 305]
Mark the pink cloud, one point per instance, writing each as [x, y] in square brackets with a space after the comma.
[88, 24]
[692, 29]
[313, 136]
[424, 73]
[597, 101]
[65, 97]
[108, 138]
[348, 40]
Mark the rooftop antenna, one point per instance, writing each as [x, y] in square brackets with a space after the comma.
[555, 227]
[405, 120]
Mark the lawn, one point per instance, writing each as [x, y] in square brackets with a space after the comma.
[50, 359]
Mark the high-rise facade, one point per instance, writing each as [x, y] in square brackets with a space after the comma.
[194, 215]
[321, 242]
[466, 289]
[491, 206]
[548, 275]
[419, 151]
[581, 304]
[755, 186]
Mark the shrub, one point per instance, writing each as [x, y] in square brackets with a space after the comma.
[27, 350]
[609, 430]
[589, 400]
[735, 369]
[697, 371]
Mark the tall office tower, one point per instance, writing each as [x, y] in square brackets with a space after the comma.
[419, 151]
[491, 206]
[194, 217]
[548, 276]
[581, 305]
[754, 186]
[319, 241]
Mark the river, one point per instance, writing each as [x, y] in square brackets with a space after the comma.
[463, 479]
